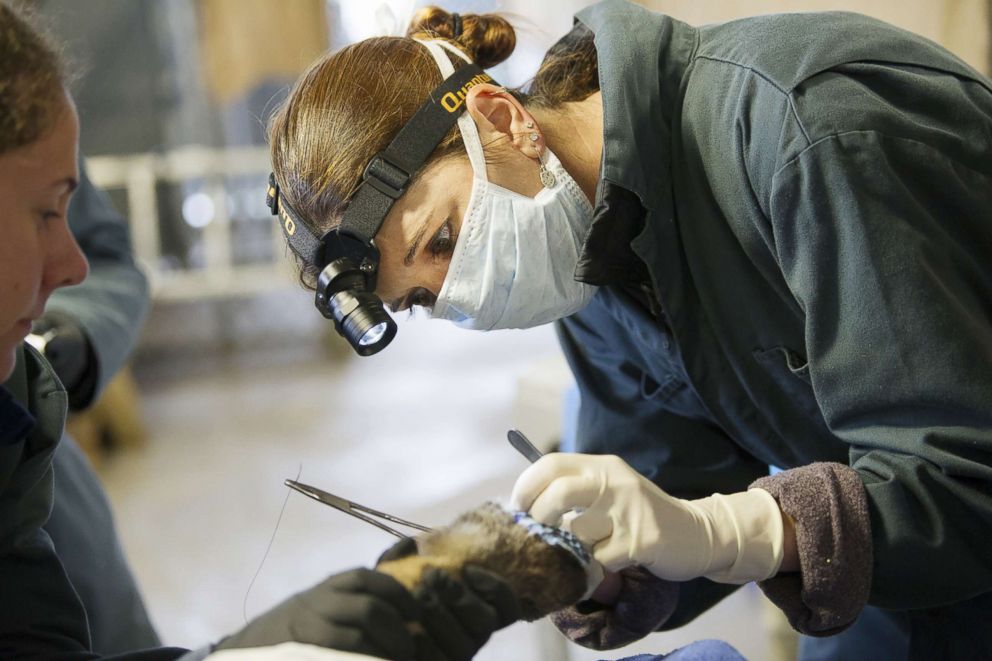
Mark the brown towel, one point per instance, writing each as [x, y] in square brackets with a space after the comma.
[643, 605]
[833, 533]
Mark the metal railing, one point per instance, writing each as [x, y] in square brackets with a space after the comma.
[139, 177]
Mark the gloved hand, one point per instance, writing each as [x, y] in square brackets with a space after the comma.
[64, 344]
[360, 611]
[627, 520]
[458, 616]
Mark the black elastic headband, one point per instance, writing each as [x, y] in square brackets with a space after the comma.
[388, 173]
[301, 238]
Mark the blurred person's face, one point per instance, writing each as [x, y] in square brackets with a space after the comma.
[37, 252]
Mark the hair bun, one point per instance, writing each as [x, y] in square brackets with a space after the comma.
[487, 38]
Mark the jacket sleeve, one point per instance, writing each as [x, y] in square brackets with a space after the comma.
[687, 457]
[886, 243]
[111, 303]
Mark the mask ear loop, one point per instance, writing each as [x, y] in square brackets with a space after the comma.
[466, 125]
[473, 146]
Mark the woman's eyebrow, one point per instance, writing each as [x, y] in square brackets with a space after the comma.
[417, 238]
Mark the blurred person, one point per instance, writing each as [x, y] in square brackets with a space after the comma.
[765, 243]
[41, 615]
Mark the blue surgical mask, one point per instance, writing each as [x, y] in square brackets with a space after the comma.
[514, 262]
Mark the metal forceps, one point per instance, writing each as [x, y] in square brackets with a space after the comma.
[366, 514]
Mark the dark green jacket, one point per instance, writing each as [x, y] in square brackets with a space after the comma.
[39, 611]
[40, 614]
[794, 242]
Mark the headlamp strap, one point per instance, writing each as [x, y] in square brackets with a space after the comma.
[387, 175]
[390, 171]
[301, 238]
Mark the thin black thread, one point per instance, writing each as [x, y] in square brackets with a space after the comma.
[244, 605]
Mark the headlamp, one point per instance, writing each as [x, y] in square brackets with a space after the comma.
[346, 255]
[344, 295]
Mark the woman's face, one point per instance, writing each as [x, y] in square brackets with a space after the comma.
[37, 251]
[417, 238]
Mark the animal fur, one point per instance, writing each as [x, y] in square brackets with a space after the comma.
[545, 578]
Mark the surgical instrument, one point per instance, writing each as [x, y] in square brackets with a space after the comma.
[522, 445]
[366, 514]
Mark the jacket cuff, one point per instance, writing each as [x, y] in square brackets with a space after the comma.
[833, 534]
[643, 605]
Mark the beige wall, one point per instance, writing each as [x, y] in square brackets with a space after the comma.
[246, 42]
[962, 26]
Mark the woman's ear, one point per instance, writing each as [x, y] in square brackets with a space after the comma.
[502, 119]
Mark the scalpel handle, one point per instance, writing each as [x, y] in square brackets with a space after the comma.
[522, 445]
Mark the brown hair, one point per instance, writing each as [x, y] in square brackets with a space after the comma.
[350, 104]
[32, 78]
[569, 72]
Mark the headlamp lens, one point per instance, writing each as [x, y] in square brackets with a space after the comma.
[359, 316]
[374, 334]
[367, 327]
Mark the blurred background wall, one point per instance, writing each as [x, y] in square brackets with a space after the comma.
[242, 383]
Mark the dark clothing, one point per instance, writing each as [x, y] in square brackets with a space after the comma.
[793, 237]
[15, 421]
[82, 528]
[876, 634]
[40, 613]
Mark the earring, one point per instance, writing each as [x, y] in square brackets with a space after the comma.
[547, 177]
[534, 137]
[529, 125]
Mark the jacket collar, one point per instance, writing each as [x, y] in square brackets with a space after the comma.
[17, 383]
[15, 421]
[642, 60]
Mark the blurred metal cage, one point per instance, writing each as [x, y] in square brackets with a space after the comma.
[232, 183]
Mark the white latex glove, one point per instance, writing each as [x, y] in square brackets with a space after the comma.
[627, 520]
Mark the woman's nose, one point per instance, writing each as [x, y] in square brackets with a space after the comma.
[66, 264]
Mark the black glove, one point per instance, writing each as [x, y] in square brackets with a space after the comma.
[361, 611]
[459, 616]
[65, 345]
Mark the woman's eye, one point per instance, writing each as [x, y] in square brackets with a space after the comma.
[443, 242]
[416, 298]
[49, 216]
[421, 298]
